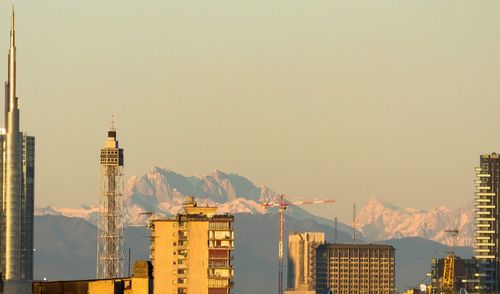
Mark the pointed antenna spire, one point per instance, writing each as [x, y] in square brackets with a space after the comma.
[112, 126]
[12, 19]
[12, 30]
[12, 64]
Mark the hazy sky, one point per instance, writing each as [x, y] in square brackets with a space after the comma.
[346, 99]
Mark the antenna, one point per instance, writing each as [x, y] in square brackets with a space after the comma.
[453, 234]
[335, 240]
[354, 223]
[112, 123]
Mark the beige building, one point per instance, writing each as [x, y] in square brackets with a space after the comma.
[302, 261]
[141, 282]
[355, 268]
[191, 252]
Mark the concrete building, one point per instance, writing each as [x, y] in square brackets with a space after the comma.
[355, 268]
[141, 282]
[302, 261]
[17, 176]
[486, 222]
[191, 252]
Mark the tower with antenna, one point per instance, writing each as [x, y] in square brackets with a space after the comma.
[110, 256]
[17, 180]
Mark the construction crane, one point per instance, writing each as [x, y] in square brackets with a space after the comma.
[282, 205]
[449, 265]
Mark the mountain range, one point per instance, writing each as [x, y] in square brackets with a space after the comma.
[162, 191]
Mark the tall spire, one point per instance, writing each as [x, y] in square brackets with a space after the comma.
[12, 19]
[12, 65]
[11, 100]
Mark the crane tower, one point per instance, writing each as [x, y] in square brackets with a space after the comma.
[449, 265]
[110, 258]
[282, 205]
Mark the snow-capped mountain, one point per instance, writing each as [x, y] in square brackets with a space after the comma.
[381, 220]
[162, 192]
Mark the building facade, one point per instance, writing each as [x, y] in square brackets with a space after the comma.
[355, 268]
[486, 222]
[17, 179]
[302, 260]
[192, 252]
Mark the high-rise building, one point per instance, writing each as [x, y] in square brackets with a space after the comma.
[110, 259]
[486, 222]
[17, 176]
[191, 252]
[302, 260]
[355, 268]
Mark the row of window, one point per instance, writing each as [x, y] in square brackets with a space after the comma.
[359, 276]
[373, 270]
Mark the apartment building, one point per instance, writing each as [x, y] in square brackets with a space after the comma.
[191, 252]
[355, 268]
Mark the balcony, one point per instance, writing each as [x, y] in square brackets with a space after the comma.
[219, 283]
[220, 226]
[221, 235]
[226, 244]
[483, 175]
[221, 264]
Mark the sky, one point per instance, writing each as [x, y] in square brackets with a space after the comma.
[321, 99]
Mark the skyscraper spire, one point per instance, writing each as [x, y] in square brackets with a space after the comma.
[12, 101]
[17, 175]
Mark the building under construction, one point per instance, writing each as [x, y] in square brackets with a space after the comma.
[461, 275]
[110, 259]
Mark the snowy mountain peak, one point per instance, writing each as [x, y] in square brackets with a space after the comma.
[375, 203]
[380, 220]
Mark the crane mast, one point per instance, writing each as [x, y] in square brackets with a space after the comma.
[282, 205]
[449, 266]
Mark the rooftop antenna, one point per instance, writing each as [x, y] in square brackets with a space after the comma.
[112, 123]
[335, 240]
[354, 223]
